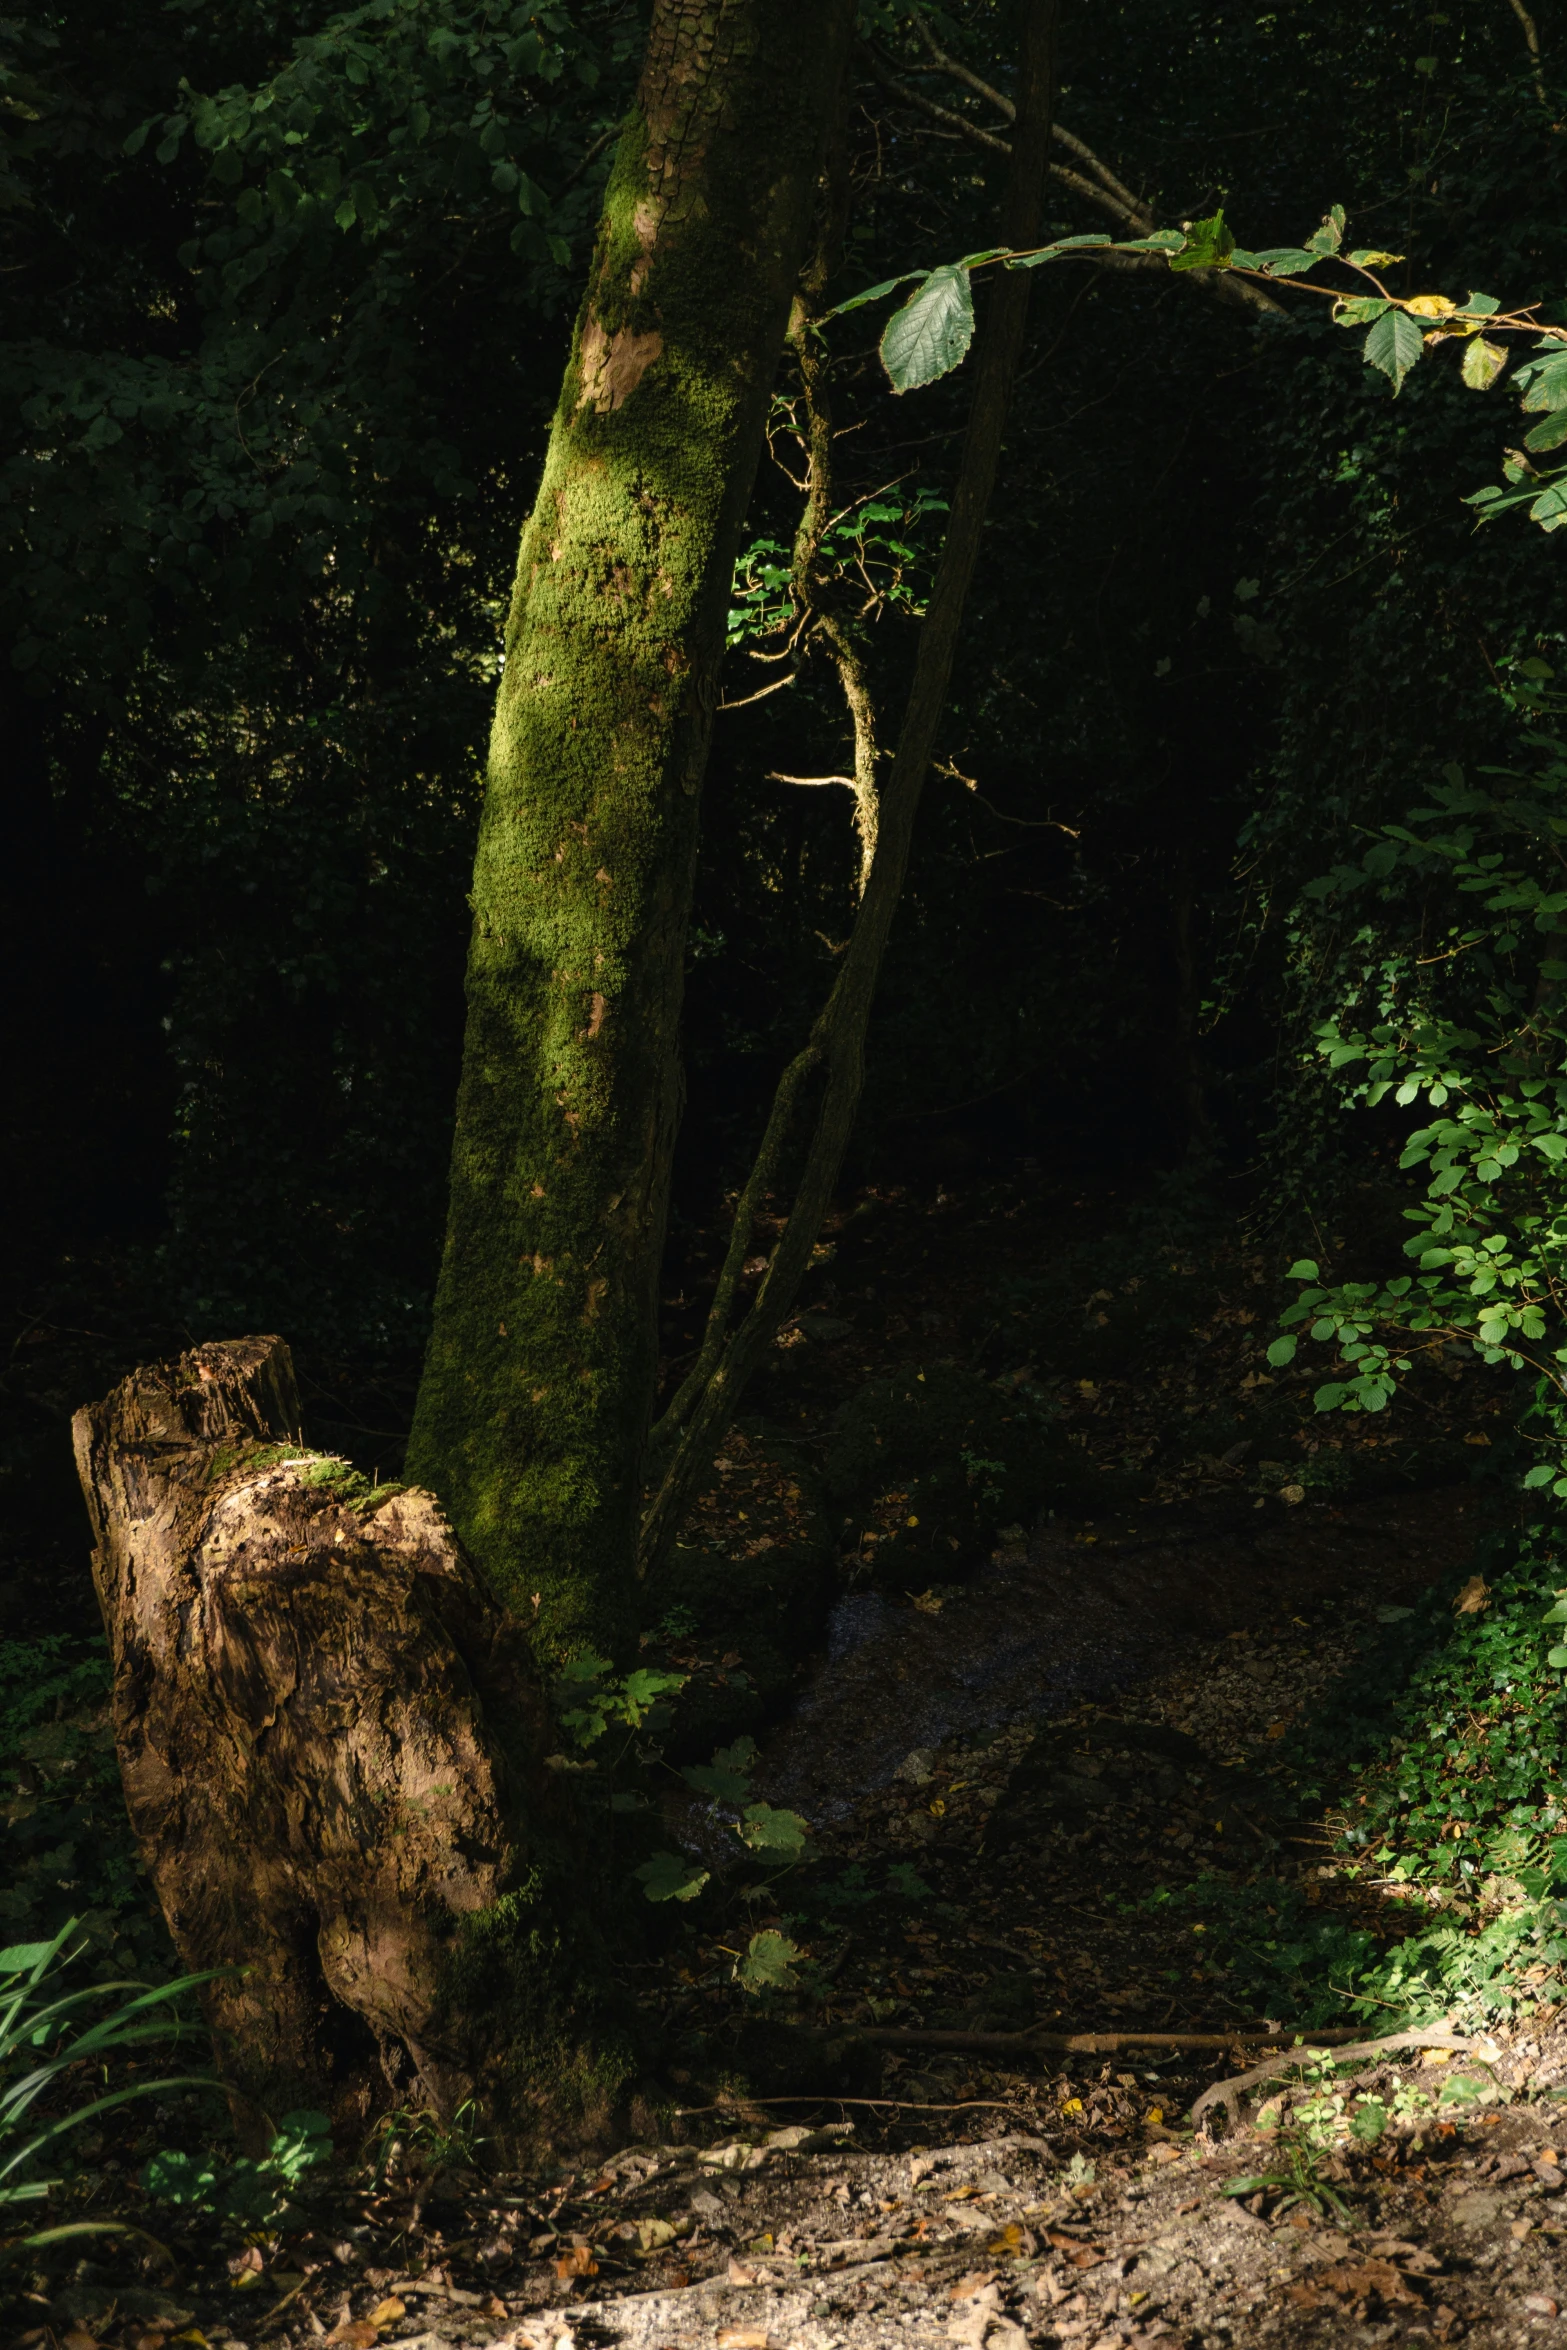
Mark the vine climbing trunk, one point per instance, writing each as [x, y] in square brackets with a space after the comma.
[532, 1414]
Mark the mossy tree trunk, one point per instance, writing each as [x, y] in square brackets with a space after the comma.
[532, 1415]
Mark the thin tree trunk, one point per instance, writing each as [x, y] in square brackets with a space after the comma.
[328, 1737]
[835, 1052]
[532, 1414]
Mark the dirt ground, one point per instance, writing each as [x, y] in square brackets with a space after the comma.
[1051, 1751]
[980, 2197]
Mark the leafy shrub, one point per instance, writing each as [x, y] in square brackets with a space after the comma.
[1438, 1759]
[68, 1851]
[43, 2042]
[254, 2192]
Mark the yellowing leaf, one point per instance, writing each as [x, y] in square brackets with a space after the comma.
[386, 2312]
[1431, 306]
[1072, 2105]
[1483, 363]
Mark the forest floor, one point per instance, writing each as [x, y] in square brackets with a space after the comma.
[1029, 1788]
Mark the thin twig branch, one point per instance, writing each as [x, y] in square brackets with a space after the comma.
[1532, 36]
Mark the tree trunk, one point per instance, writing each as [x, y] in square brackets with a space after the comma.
[325, 1730]
[532, 1414]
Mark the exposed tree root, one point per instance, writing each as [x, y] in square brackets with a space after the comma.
[1229, 2093]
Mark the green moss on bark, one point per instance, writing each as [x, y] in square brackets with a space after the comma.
[533, 1411]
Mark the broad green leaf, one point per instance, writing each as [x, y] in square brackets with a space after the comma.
[889, 285]
[929, 336]
[1277, 261]
[646, 1685]
[1544, 381]
[769, 1963]
[1393, 345]
[1329, 237]
[725, 1786]
[669, 1877]
[1481, 305]
[1282, 1351]
[765, 1829]
[1483, 363]
[1550, 434]
[1359, 309]
[1303, 1269]
[1556, 1656]
[1328, 1399]
[1208, 245]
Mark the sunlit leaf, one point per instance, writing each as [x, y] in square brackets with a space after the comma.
[930, 335]
[1394, 345]
[1208, 245]
[769, 1963]
[1483, 363]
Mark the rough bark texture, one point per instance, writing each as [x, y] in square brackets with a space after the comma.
[324, 1730]
[532, 1415]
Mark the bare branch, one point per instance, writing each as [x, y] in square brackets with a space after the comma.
[1109, 195]
[916, 98]
[1532, 36]
[961, 73]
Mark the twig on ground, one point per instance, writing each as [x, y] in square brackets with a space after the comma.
[892, 2104]
[1082, 2043]
[1228, 2093]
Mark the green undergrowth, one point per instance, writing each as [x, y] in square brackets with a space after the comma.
[66, 1849]
[1436, 1764]
[953, 1458]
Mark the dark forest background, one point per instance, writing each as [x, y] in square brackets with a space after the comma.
[285, 296]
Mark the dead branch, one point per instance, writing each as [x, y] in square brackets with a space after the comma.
[1082, 2043]
[1229, 2093]
[1109, 194]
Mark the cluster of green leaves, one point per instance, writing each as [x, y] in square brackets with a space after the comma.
[592, 1697]
[44, 2040]
[1438, 1757]
[878, 550]
[1472, 1025]
[930, 333]
[766, 1831]
[67, 1844]
[252, 2191]
[390, 109]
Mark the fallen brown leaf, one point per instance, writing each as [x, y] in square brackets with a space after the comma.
[1473, 1597]
[355, 2333]
[385, 2311]
[577, 2262]
[744, 2338]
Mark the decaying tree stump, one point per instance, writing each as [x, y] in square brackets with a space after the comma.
[325, 1729]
